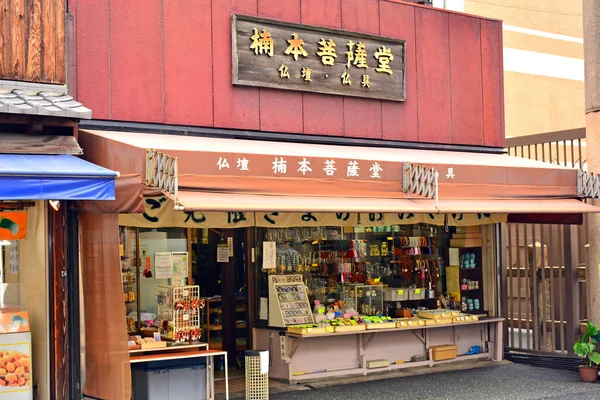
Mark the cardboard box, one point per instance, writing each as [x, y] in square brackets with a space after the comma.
[468, 229]
[466, 242]
[443, 352]
[377, 363]
[466, 236]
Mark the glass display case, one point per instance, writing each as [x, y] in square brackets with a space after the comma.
[369, 299]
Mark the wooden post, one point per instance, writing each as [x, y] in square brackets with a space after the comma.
[571, 288]
[591, 42]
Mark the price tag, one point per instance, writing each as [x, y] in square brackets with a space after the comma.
[400, 292]
[417, 291]
[186, 317]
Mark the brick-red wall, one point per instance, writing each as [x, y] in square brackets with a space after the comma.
[169, 61]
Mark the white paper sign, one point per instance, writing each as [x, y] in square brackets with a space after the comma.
[180, 263]
[269, 255]
[163, 265]
[264, 361]
[223, 253]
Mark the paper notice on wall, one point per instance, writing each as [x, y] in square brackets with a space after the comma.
[222, 253]
[13, 257]
[454, 256]
[269, 255]
[180, 263]
[230, 246]
[163, 265]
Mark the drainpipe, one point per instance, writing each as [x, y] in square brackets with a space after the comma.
[591, 44]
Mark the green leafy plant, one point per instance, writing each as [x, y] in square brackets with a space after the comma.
[586, 346]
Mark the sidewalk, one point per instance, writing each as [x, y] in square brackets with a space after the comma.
[465, 380]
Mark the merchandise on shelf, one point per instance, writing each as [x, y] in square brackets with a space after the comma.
[179, 312]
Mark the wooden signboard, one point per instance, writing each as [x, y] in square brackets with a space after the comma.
[288, 56]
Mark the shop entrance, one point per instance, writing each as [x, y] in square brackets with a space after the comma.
[223, 283]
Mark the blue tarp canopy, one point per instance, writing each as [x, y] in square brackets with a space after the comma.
[54, 177]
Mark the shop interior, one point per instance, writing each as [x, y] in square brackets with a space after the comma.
[350, 276]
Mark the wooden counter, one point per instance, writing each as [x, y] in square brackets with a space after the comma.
[299, 357]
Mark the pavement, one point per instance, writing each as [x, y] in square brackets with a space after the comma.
[474, 381]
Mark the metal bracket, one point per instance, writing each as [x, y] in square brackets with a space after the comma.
[588, 185]
[294, 343]
[369, 337]
[162, 173]
[419, 336]
[421, 181]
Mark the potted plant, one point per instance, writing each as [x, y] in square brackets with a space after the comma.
[585, 348]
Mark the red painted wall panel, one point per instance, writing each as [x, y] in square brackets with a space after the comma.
[136, 60]
[399, 120]
[280, 110]
[322, 114]
[124, 50]
[493, 93]
[235, 107]
[188, 62]
[362, 118]
[93, 68]
[465, 67]
[433, 76]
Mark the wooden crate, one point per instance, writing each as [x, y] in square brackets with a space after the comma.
[350, 328]
[310, 331]
[154, 345]
[383, 325]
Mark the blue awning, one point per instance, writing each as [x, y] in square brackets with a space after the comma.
[54, 177]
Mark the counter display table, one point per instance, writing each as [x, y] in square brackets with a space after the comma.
[297, 357]
[166, 359]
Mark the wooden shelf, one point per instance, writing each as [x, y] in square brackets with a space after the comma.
[213, 327]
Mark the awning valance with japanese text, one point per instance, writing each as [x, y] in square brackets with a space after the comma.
[237, 175]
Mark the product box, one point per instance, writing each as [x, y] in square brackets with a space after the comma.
[443, 352]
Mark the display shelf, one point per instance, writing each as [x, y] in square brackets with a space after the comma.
[212, 323]
[179, 312]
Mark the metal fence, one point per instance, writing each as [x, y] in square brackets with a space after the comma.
[544, 295]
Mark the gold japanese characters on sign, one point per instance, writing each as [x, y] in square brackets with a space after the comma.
[297, 57]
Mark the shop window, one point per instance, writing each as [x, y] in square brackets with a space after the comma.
[389, 270]
[141, 279]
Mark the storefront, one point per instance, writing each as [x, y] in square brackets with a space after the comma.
[41, 179]
[347, 199]
[397, 274]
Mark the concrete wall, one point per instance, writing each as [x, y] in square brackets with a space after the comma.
[543, 62]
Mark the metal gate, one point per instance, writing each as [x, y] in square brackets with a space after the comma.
[543, 266]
